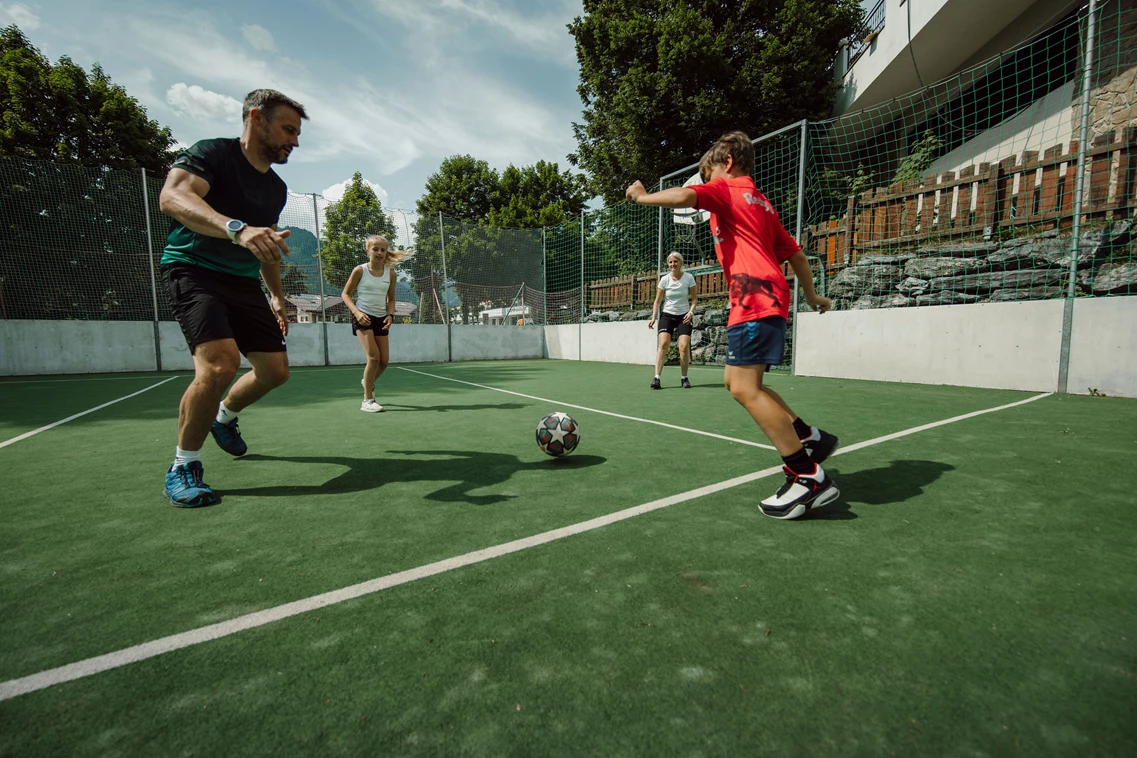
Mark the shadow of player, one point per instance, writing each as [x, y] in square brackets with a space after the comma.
[469, 470]
[887, 485]
[399, 407]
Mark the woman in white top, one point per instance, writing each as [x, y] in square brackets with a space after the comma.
[372, 310]
[678, 294]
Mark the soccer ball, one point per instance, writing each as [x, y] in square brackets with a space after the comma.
[558, 434]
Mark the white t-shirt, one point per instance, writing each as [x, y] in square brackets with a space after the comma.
[675, 293]
[371, 293]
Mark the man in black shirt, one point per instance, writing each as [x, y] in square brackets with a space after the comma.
[225, 201]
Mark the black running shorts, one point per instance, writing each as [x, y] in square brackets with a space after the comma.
[673, 325]
[212, 305]
[376, 325]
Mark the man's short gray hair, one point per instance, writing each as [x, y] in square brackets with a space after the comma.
[267, 101]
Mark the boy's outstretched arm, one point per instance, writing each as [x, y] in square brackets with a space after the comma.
[803, 274]
[676, 197]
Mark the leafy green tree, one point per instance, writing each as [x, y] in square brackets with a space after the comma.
[535, 196]
[349, 222]
[293, 279]
[463, 188]
[662, 79]
[62, 113]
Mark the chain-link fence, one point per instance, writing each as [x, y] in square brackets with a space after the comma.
[1013, 180]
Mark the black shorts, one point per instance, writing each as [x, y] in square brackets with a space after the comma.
[376, 325]
[212, 305]
[673, 325]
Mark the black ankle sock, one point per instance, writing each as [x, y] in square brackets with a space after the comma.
[803, 429]
[800, 462]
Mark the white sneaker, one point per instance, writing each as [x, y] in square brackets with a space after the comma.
[370, 406]
[799, 494]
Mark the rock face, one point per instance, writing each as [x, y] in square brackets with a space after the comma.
[1033, 267]
[865, 280]
[1116, 278]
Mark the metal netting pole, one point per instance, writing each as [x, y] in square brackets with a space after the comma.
[545, 274]
[320, 270]
[659, 250]
[1079, 196]
[445, 291]
[797, 236]
[153, 278]
[580, 321]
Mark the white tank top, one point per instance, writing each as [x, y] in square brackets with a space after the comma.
[371, 294]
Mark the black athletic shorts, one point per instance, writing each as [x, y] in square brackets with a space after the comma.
[376, 325]
[212, 305]
[674, 325]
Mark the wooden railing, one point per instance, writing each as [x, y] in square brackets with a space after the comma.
[1036, 192]
[638, 290]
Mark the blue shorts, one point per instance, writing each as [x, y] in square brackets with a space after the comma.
[754, 342]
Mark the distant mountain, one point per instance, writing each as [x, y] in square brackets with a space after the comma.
[303, 245]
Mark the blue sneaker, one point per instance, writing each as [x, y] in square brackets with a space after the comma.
[228, 436]
[185, 488]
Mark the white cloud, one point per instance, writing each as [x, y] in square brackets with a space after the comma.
[202, 104]
[259, 37]
[20, 15]
[335, 192]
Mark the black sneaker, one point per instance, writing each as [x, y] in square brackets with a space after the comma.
[799, 494]
[228, 437]
[820, 445]
[685, 383]
[655, 385]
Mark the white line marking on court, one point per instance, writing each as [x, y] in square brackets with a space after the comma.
[25, 435]
[80, 379]
[72, 671]
[594, 410]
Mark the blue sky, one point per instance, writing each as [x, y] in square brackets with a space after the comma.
[392, 86]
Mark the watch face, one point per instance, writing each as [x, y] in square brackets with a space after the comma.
[235, 225]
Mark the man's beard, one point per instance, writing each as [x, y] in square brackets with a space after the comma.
[270, 152]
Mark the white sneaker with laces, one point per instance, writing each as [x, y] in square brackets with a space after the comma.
[370, 406]
[799, 494]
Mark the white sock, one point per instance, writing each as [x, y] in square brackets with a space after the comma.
[683, 377]
[182, 457]
[657, 377]
[224, 415]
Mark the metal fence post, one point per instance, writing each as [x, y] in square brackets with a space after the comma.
[580, 321]
[545, 275]
[1079, 196]
[153, 278]
[445, 290]
[320, 269]
[659, 248]
[797, 236]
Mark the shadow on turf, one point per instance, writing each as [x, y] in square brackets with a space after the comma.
[888, 485]
[399, 407]
[472, 470]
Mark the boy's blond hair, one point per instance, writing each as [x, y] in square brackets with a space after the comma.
[394, 257]
[734, 144]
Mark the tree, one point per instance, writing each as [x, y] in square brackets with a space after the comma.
[62, 113]
[292, 279]
[662, 79]
[349, 222]
[534, 196]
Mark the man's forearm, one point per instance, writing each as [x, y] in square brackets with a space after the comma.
[195, 214]
[270, 272]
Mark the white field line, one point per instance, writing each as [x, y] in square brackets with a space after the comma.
[72, 671]
[25, 435]
[594, 410]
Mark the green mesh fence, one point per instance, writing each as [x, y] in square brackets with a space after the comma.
[966, 191]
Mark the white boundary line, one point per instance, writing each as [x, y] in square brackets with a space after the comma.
[594, 410]
[100, 663]
[5, 382]
[25, 435]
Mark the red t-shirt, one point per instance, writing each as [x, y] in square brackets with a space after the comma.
[751, 244]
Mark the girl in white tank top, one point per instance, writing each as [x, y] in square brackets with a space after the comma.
[372, 309]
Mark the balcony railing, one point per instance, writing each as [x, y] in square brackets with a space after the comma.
[874, 20]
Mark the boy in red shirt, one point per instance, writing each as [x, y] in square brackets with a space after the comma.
[751, 244]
